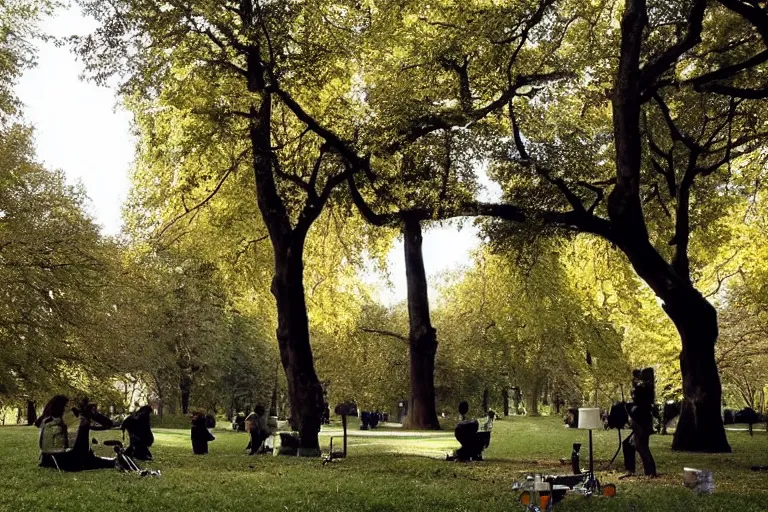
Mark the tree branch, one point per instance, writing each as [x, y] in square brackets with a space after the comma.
[385, 333]
[210, 196]
[674, 131]
[654, 69]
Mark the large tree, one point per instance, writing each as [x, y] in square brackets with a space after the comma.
[655, 172]
[419, 89]
[244, 56]
[54, 272]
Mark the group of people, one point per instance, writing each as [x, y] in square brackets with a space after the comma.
[73, 453]
[59, 449]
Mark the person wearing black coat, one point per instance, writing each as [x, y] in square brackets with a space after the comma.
[140, 435]
[200, 435]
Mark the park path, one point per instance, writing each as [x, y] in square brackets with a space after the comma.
[354, 432]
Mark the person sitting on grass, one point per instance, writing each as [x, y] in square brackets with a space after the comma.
[140, 435]
[256, 425]
[472, 440]
[200, 434]
[484, 432]
[56, 448]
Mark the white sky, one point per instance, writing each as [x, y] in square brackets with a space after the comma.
[77, 127]
[80, 129]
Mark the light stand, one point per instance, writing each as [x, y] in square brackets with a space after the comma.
[589, 419]
[591, 484]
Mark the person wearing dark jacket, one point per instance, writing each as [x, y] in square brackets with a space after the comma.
[140, 435]
[256, 425]
[200, 435]
[56, 448]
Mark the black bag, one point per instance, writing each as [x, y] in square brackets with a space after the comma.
[618, 417]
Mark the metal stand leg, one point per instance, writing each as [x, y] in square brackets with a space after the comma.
[591, 482]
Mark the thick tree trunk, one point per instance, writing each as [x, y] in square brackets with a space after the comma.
[31, 412]
[185, 387]
[505, 397]
[273, 399]
[700, 427]
[533, 402]
[304, 389]
[422, 336]
[485, 400]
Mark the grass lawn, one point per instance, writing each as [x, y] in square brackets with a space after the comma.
[381, 473]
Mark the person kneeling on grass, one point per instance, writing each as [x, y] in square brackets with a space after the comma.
[472, 436]
[256, 425]
[200, 434]
[56, 448]
[140, 435]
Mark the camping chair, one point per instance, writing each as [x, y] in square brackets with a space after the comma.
[55, 462]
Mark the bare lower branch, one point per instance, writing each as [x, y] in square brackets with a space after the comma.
[385, 333]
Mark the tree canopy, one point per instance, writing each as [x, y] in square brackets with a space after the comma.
[284, 145]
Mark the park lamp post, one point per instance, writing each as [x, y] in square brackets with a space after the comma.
[589, 419]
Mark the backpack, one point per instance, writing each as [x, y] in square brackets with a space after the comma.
[53, 436]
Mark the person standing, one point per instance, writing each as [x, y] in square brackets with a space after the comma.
[200, 435]
[641, 421]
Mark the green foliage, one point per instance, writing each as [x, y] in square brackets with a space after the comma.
[55, 271]
[18, 28]
[370, 368]
[525, 325]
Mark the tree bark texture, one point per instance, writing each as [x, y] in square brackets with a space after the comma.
[422, 337]
[533, 402]
[700, 426]
[304, 389]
